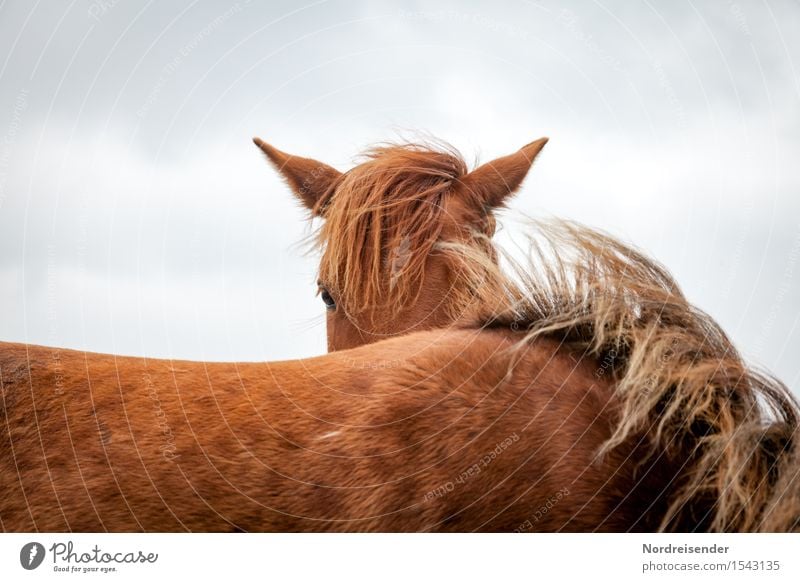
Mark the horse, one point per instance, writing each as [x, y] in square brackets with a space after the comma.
[409, 233]
[587, 395]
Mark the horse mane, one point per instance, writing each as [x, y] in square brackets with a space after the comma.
[680, 385]
[382, 223]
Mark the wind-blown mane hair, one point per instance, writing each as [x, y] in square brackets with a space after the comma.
[681, 388]
[680, 385]
[383, 223]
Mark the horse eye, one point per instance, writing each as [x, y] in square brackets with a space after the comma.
[327, 299]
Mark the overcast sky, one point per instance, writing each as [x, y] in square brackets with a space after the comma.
[136, 216]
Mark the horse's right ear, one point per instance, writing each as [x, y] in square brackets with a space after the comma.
[495, 181]
[310, 180]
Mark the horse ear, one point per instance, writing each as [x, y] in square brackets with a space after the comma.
[309, 179]
[496, 180]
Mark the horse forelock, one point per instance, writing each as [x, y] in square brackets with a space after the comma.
[382, 220]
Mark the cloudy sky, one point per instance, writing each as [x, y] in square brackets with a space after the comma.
[136, 216]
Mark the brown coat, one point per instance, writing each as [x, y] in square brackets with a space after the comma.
[422, 432]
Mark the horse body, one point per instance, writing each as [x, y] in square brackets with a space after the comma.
[585, 395]
[440, 437]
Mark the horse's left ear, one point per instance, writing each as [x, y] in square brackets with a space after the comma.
[309, 179]
[495, 181]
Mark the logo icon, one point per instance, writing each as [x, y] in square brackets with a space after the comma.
[31, 555]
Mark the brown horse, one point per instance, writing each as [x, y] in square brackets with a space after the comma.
[409, 232]
[586, 395]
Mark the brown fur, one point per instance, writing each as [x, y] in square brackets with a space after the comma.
[347, 441]
[601, 399]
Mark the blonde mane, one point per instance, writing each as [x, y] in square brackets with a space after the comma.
[680, 385]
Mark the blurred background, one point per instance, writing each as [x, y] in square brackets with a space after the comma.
[136, 216]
